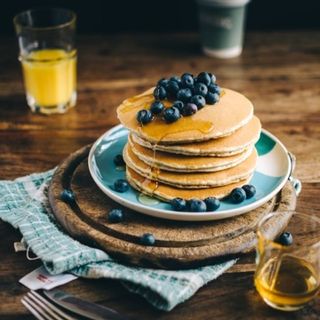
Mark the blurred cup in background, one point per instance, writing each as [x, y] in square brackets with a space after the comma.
[48, 56]
[222, 27]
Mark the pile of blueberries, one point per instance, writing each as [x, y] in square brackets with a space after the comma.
[237, 195]
[188, 93]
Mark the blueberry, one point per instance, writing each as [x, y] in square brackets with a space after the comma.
[196, 205]
[118, 160]
[212, 98]
[250, 190]
[184, 95]
[121, 185]
[176, 79]
[189, 109]
[204, 77]
[171, 114]
[201, 89]
[237, 195]
[213, 78]
[214, 88]
[160, 93]
[147, 239]
[178, 204]
[187, 80]
[156, 107]
[285, 239]
[115, 216]
[144, 116]
[67, 196]
[178, 104]
[199, 101]
[212, 203]
[172, 89]
[162, 82]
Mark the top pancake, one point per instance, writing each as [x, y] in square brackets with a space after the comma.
[213, 121]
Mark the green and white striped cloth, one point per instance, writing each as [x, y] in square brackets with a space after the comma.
[24, 204]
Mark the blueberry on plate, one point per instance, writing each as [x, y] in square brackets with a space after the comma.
[118, 160]
[162, 82]
[214, 88]
[212, 98]
[178, 204]
[115, 216]
[67, 196]
[212, 203]
[160, 93]
[189, 109]
[200, 89]
[250, 190]
[237, 195]
[204, 77]
[199, 101]
[196, 205]
[172, 89]
[184, 95]
[178, 104]
[285, 239]
[147, 239]
[187, 80]
[144, 116]
[171, 114]
[156, 107]
[121, 185]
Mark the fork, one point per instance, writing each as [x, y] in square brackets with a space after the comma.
[43, 309]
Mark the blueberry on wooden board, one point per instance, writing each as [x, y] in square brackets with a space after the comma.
[67, 196]
[147, 239]
[115, 216]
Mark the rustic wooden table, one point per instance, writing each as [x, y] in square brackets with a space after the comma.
[279, 72]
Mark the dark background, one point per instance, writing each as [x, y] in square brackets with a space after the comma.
[116, 16]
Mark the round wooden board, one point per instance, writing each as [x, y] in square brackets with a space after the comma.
[178, 244]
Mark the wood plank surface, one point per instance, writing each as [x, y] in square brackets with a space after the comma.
[279, 72]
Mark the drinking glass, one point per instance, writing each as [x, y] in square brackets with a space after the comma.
[48, 56]
[288, 263]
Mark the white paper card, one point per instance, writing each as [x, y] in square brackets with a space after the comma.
[41, 279]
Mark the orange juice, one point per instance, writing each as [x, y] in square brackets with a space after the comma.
[50, 78]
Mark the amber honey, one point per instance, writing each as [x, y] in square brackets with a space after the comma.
[287, 282]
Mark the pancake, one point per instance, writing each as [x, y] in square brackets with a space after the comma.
[223, 147]
[191, 180]
[181, 163]
[166, 193]
[213, 121]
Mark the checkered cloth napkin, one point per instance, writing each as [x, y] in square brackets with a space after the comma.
[24, 204]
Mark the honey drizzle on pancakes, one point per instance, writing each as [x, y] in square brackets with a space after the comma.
[160, 129]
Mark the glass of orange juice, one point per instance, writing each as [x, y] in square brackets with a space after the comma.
[48, 56]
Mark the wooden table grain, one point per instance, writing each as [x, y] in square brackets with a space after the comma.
[279, 72]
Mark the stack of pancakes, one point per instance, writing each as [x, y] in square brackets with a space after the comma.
[204, 155]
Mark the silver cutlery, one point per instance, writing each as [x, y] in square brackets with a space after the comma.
[57, 305]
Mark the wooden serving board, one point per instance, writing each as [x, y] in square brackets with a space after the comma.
[178, 244]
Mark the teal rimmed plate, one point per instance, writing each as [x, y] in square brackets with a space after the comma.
[272, 172]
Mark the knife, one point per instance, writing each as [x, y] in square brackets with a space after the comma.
[81, 307]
